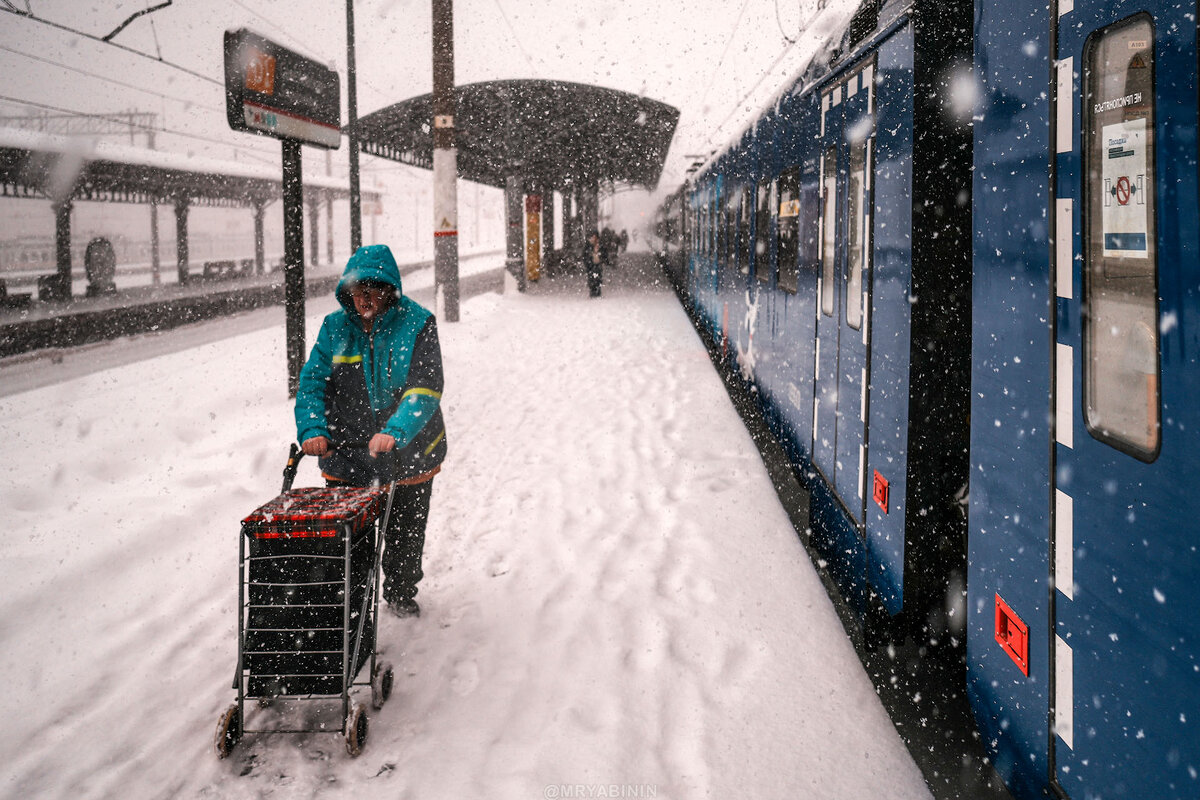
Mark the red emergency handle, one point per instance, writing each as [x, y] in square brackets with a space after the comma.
[1013, 635]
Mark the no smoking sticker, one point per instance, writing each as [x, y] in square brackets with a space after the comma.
[1123, 190]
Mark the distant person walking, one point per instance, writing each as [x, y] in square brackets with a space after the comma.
[369, 405]
[595, 254]
[611, 244]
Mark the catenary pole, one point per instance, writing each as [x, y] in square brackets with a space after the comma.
[293, 261]
[445, 164]
[352, 131]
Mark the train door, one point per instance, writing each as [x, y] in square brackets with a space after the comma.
[840, 433]
[1123, 549]
[824, 447]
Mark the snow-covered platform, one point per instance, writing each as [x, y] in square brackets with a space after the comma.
[615, 605]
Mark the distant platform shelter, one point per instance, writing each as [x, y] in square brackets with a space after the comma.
[64, 170]
[532, 138]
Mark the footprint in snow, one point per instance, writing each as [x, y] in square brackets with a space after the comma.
[464, 678]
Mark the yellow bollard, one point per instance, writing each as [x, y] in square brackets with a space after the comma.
[533, 237]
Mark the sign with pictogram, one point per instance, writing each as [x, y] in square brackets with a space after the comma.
[1124, 189]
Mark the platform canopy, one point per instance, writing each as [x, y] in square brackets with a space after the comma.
[552, 133]
[46, 165]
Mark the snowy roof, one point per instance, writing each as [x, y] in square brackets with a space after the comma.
[834, 32]
[57, 165]
[551, 132]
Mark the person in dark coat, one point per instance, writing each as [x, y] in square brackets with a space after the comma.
[595, 256]
[374, 378]
[610, 242]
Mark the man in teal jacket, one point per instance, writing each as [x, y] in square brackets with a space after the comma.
[369, 405]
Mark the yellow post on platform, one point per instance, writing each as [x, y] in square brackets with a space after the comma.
[533, 237]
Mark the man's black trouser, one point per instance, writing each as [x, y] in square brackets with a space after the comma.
[404, 540]
[594, 278]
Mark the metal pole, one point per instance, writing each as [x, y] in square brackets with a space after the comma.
[293, 261]
[514, 250]
[445, 163]
[352, 132]
[260, 257]
[181, 239]
[329, 226]
[314, 228]
[155, 262]
[61, 287]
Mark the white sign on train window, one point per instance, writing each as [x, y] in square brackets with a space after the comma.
[1125, 186]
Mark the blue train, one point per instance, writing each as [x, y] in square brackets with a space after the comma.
[957, 262]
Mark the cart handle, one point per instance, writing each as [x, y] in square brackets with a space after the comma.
[293, 464]
[295, 454]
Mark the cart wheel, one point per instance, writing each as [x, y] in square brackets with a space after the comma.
[229, 731]
[381, 684]
[356, 729]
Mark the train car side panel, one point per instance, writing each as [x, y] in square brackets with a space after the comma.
[1011, 389]
[1126, 654]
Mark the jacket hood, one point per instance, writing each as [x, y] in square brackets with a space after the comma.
[369, 263]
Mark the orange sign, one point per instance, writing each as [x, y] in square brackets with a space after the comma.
[260, 71]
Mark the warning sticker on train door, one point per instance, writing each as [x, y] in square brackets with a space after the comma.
[1125, 187]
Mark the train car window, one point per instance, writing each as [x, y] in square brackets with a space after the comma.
[858, 233]
[828, 228]
[731, 218]
[722, 243]
[1120, 323]
[787, 250]
[810, 212]
[762, 230]
[743, 237]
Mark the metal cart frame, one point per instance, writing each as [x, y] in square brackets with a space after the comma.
[231, 725]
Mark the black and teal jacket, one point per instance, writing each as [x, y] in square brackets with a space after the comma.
[356, 384]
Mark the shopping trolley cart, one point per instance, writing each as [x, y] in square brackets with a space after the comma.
[308, 589]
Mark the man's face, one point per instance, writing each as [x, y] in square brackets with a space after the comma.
[370, 299]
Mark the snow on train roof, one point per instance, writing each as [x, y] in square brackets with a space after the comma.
[815, 47]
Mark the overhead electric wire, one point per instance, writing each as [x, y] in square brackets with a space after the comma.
[303, 45]
[114, 81]
[779, 22]
[725, 52]
[762, 76]
[135, 15]
[516, 38]
[117, 118]
[100, 40]
[274, 25]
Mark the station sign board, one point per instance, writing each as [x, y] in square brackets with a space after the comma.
[273, 91]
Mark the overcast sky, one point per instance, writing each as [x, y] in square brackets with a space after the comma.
[701, 56]
[717, 61]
